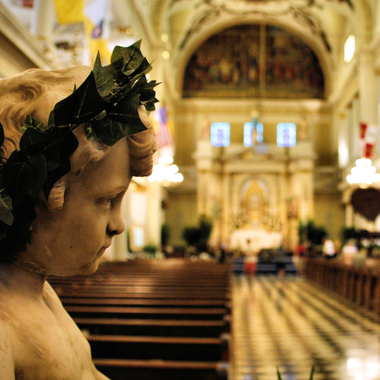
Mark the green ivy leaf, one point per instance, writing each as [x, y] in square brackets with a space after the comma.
[147, 95]
[104, 79]
[127, 54]
[1, 135]
[3, 230]
[133, 63]
[47, 143]
[18, 234]
[5, 209]
[142, 67]
[31, 122]
[312, 373]
[69, 145]
[123, 120]
[23, 174]
[83, 104]
[25, 215]
[51, 121]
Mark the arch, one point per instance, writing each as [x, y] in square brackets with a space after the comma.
[324, 59]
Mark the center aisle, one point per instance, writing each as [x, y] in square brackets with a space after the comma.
[293, 325]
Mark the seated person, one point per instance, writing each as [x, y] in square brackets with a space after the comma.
[62, 184]
[349, 251]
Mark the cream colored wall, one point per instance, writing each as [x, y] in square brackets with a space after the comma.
[181, 212]
[329, 212]
[189, 116]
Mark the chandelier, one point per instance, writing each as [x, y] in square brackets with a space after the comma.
[166, 172]
[364, 173]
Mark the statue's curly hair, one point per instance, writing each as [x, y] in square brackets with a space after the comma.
[35, 92]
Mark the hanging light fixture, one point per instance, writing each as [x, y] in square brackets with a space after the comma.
[364, 173]
[166, 172]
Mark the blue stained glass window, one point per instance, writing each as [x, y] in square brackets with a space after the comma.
[248, 133]
[220, 134]
[260, 132]
[286, 135]
[248, 129]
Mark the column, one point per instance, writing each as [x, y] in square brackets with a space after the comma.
[367, 87]
[349, 216]
[42, 23]
[154, 217]
[226, 204]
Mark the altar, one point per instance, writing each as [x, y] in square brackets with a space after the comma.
[260, 196]
[255, 239]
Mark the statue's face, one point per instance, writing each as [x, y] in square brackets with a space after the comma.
[72, 240]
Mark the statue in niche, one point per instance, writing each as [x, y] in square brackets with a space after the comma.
[253, 205]
[67, 158]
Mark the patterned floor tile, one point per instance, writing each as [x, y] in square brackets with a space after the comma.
[291, 325]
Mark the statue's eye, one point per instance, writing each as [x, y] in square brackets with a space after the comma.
[107, 202]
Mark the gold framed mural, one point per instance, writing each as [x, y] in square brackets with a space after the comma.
[254, 60]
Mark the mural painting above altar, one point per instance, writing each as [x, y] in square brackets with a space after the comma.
[254, 60]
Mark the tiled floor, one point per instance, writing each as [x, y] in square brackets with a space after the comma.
[293, 325]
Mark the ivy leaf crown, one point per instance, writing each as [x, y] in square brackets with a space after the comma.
[107, 102]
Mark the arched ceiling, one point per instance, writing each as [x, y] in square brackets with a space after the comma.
[181, 26]
[181, 19]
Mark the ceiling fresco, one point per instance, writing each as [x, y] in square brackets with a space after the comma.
[254, 61]
[323, 25]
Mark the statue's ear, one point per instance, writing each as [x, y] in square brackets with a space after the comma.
[57, 194]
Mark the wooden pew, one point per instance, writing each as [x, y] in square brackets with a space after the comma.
[158, 302]
[151, 319]
[158, 347]
[146, 312]
[121, 369]
[359, 286]
[153, 327]
[105, 293]
[112, 283]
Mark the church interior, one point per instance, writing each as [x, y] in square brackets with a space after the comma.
[290, 89]
[267, 130]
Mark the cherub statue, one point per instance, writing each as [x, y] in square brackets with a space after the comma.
[71, 140]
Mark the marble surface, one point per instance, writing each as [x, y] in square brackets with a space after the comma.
[291, 325]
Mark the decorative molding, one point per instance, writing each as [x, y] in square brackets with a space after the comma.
[24, 42]
[214, 9]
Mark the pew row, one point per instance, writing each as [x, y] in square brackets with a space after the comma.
[156, 347]
[121, 369]
[358, 286]
[159, 302]
[151, 319]
[154, 327]
[146, 312]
